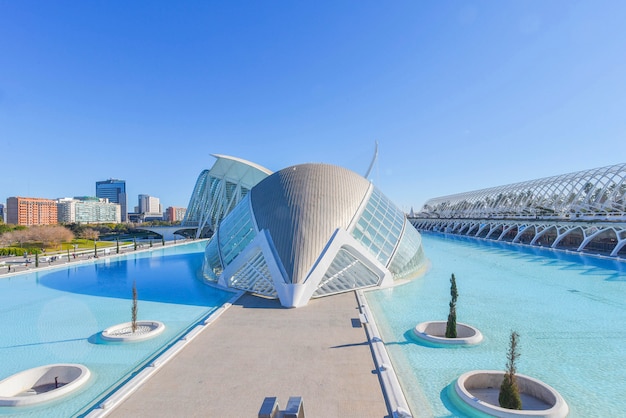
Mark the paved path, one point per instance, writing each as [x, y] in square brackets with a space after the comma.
[257, 349]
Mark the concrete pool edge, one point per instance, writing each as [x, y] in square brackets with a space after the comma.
[93, 260]
[392, 391]
[121, 394]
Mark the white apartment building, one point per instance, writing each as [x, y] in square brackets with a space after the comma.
[88, 210]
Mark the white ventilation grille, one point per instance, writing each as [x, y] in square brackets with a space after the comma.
[346, 272]
[254, 276]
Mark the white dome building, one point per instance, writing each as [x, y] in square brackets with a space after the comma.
[312, 230]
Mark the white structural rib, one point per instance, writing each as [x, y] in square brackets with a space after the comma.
[374, 158]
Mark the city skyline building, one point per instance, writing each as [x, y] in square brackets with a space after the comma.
[148, 204]
[88, 210]
[115, 191]
[175, 214]
[149, 208]
[28, 211]
[2, 213]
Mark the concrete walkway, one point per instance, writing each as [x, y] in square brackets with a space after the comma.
[258, 349]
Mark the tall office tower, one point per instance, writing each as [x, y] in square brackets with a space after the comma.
[149, 204]
[149, 208]
[2, 217]
[31, 211]
[115, 191]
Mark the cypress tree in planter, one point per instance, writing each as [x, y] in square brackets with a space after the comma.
[134, 309]
[509, 391]
[451, 325]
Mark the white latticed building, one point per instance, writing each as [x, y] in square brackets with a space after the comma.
[582, 211]
[219, 190]
[312, 230]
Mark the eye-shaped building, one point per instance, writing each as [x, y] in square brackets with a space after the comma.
[312, 230]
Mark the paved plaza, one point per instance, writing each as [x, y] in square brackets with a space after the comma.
[258, 349]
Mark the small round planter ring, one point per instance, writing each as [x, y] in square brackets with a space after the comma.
[479, 389]
[435, 332]
[124, 333]
[42, 384]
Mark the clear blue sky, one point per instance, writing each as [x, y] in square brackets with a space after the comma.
[460, 95]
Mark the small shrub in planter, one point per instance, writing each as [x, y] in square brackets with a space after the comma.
[451, 325]
[509, 391]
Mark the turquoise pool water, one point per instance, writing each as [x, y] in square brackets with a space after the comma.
[55, 317]
[570, 312]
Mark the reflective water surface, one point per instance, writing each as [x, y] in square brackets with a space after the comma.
[56, 316]
[570, 312]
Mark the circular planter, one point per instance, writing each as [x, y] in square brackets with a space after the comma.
[479, 389]
[123, 332]
[435, 332]
[42, 384]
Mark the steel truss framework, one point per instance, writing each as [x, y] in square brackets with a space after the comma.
[599, 193]
[219, 190]
[583, 211]
[590, 237]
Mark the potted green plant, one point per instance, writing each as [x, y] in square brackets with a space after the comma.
[451, 324]
[134, 309]
[509, 396]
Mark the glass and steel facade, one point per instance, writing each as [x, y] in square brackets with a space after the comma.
[219, 190]
[379, 227]
[309, 231]
[599, 193]
[581, 211]
[115, 191]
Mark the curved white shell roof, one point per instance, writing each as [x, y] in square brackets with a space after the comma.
[218, 190]
[302, 206]
[599, 192]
